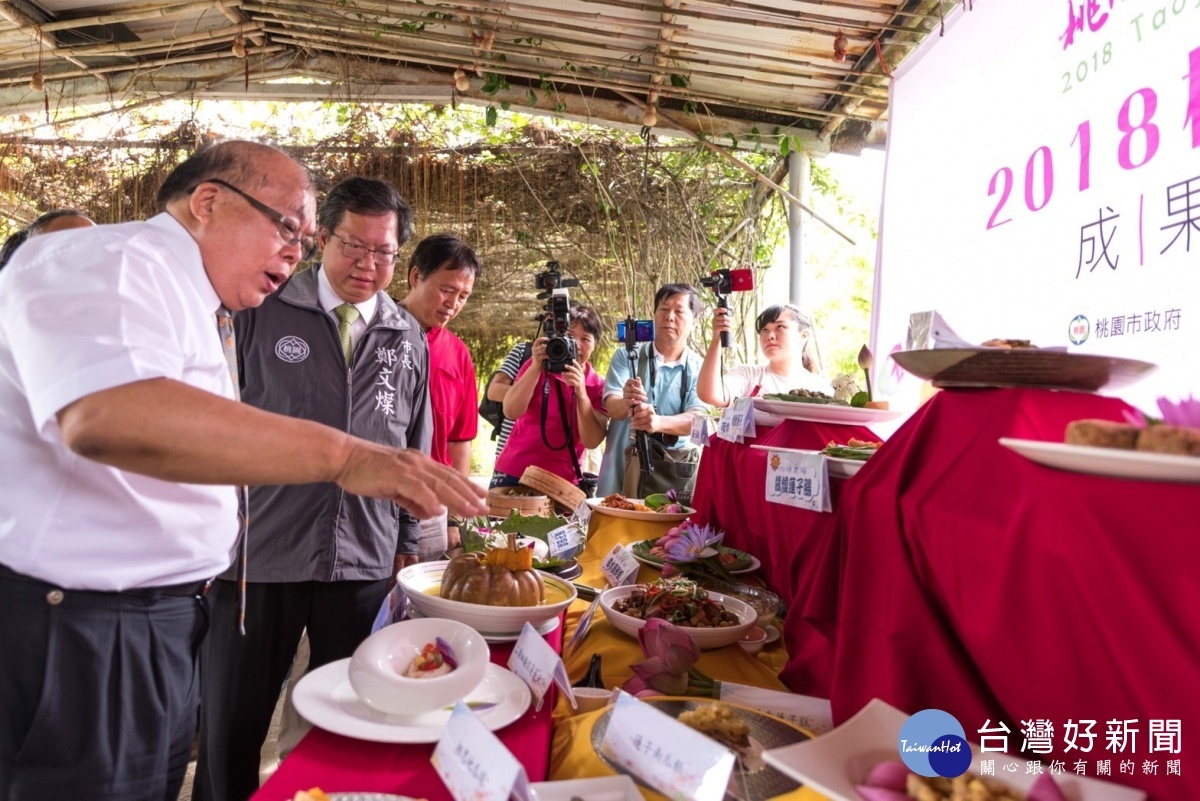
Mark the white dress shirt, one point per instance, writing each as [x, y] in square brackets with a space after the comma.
[83, 311]
[330, 301]
[742, 379]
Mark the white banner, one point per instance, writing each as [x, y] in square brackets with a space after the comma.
[1043, 183]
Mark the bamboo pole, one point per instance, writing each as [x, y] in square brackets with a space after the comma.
[157, 45]
[436, 57]
[145, 65]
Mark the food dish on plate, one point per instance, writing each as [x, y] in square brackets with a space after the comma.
[325, 698]
[824, 413]
[706, 638]
[835, 763]
[1154, 438]
[806, 396]
[732, 559]
[857, 449]
[1022, 367]
[422, 584]
[752, 780]
[1110, 462]
[596, 505]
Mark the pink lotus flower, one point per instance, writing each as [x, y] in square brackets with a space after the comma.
[670, 664]
[675, 647]
[1184, 412]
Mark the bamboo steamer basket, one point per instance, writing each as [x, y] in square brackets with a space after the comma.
[504, 500]
[562, 492]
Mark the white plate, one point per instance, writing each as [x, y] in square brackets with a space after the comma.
[824, 412]
[543, 628]
[838, 467]
[369, 797]
[706, 638]
[603, 788]
[1108, 461]
[755, 564]
[629, 514]
[835, 762]
[324, 698]
[773, 635]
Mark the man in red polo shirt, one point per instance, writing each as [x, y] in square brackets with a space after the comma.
[441, 275]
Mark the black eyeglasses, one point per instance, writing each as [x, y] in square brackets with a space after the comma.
[286, 227]
[355, 252]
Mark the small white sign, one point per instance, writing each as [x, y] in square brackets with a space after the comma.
[474, 764]
[814, 714]
[620, 567]
[583, 513]
[746, 407]
[699, 435]
[798, 479]
[564, 541]
[677, 761]
[537, 664]
[729, 427]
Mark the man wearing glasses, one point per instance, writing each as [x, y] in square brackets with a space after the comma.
[123, 447]
[332, 347]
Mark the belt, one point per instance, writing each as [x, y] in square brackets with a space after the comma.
[188, 589]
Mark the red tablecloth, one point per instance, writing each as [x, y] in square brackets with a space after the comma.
[341, 764]
[977, 582]
[792, 543]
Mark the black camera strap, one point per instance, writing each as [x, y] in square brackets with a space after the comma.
[568, 433]
[646, 355]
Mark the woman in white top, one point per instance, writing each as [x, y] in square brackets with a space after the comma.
[787, 339]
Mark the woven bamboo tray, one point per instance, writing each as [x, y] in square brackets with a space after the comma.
[503, 500]
[562, 492]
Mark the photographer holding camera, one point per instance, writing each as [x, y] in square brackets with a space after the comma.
[556, 399]
[655, 392]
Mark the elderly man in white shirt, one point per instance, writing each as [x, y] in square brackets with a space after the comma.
[123, 445]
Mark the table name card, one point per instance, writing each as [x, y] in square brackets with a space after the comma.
[737, 421]
[620, 567]
[537, 664]
[798, 479]
[565, 541]
[699, 435]
[583, 514]
[474, 764]
[665, 754]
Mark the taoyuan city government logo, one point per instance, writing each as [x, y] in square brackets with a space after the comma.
[933, 743]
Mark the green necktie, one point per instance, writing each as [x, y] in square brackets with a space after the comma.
[346, 315]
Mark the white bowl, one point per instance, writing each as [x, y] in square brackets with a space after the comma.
[419, 580]
[754, 640]
[706, 638]
[377, 668]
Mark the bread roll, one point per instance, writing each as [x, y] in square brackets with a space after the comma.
[1170, 439]
[1102, 434]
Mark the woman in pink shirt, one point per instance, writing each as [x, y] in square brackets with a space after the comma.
[556, 415]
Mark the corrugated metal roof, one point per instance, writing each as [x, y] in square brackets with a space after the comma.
[725, 69]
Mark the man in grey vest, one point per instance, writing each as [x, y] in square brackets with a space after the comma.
[332, 347]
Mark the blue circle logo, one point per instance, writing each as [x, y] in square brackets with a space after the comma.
[1079, 329]
[933, 743]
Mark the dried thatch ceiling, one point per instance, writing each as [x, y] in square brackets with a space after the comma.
[727, 69]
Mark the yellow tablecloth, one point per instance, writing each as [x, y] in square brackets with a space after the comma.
[571, 753]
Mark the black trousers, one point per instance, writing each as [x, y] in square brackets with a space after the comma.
[242, 676]
[98, 691]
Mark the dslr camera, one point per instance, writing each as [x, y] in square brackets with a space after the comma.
[556, 318]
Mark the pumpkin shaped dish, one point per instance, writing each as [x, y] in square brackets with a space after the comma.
[495, 577]
[473, 577]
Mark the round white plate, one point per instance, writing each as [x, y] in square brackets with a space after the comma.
[706, 638]
[755, 564]
[629, 514]
[837, 467]
[1108, 461]
[543, 628]
[324, 698]
[773, 635]
[824, 412]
